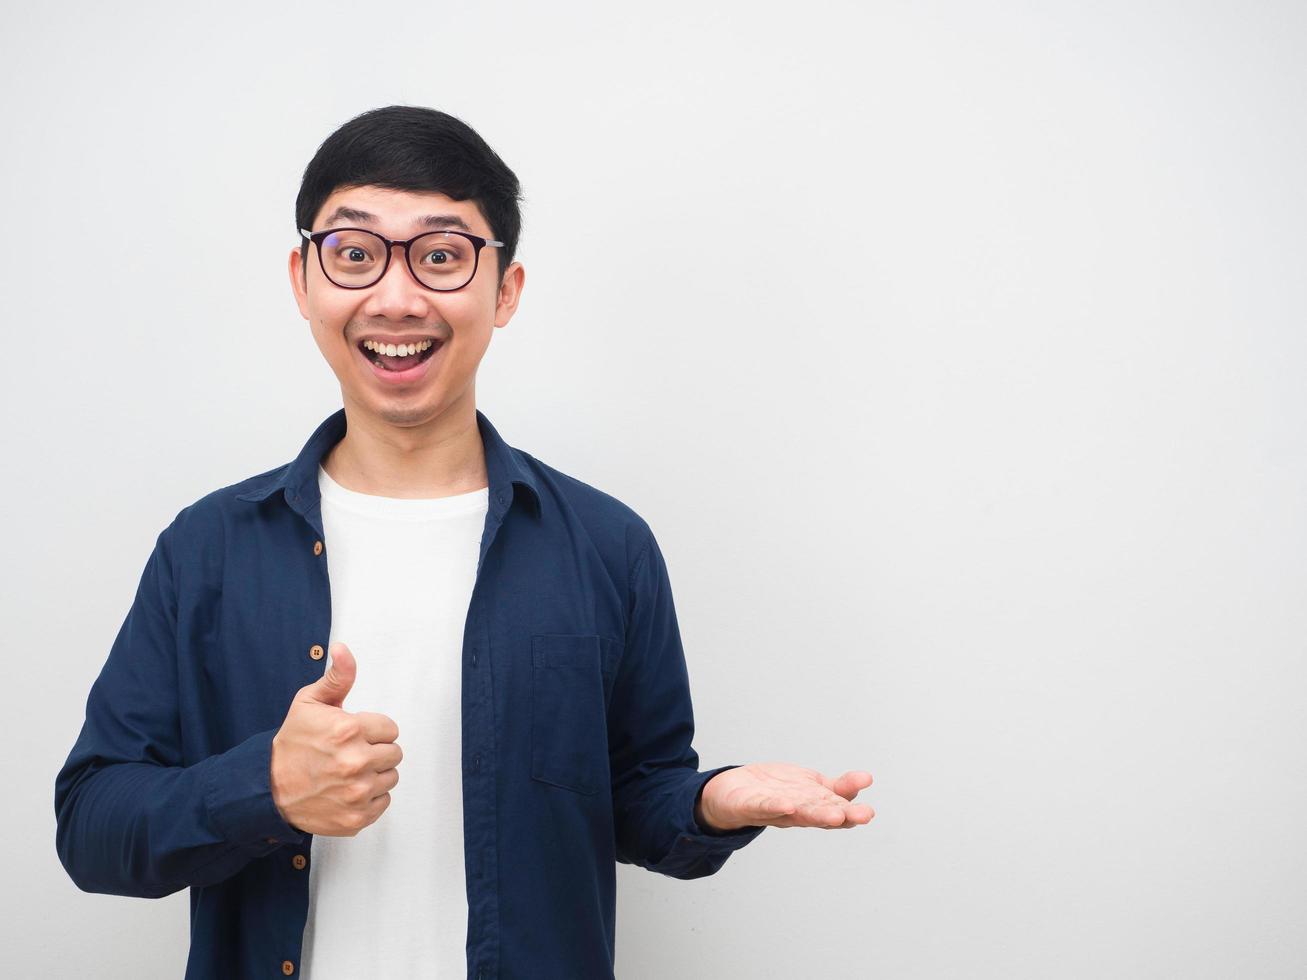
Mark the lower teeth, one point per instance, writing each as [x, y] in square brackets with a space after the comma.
[402, 363]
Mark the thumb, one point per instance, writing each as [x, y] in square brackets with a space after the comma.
[332, 687]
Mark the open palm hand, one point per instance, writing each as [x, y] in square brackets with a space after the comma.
[780, 794]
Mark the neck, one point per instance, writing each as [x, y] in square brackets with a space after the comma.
[438, 458]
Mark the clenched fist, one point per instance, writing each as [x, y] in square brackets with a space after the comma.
[332, 769]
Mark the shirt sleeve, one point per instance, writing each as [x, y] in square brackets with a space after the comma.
[655, 770]
[130, 818]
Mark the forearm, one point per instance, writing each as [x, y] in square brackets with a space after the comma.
[146, 831]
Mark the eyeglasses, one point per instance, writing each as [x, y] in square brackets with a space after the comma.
[355, 258]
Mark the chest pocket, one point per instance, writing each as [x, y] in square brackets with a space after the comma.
[571, 681]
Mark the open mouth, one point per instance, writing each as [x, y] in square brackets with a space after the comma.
[397, 361]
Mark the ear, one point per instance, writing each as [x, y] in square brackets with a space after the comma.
[298, 282]
[510, 292]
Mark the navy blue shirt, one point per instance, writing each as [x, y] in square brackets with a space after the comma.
[576, 723]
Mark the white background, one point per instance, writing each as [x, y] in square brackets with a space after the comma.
[954, 352]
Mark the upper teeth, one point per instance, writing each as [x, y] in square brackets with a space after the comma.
[402, 350]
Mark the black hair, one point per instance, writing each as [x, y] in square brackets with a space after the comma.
[415, 148]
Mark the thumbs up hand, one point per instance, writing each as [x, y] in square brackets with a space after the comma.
[332, 769]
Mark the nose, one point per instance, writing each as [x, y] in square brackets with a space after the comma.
[397, 294]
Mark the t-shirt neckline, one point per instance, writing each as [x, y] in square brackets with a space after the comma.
[400, 508]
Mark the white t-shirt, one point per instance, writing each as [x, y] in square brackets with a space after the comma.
[392, 900]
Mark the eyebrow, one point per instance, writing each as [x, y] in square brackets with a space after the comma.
[426, 221]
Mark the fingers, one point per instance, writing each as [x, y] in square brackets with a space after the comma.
[844, 817]
[386, 756]
[850, 784]
[825, 814]
[385, 782]
[377, 806]
[859, 813]
[832, 813]
[377, 727]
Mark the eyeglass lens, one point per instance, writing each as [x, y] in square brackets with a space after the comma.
[440, 260]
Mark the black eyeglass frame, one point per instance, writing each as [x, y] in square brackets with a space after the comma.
[477, 241]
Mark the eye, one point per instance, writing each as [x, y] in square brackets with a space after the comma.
[446, 255]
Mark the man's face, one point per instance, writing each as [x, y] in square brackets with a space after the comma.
[397, 308]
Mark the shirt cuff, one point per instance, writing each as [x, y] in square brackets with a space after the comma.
[238, 794]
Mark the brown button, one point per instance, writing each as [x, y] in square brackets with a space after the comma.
[316, 652]
[317, 547]
[287, 967]
[299, 861]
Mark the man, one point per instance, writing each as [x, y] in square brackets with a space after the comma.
[515, 621]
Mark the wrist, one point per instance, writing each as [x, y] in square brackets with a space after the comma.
[706, 822]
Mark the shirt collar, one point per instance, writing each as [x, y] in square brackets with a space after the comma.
[299, 478]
